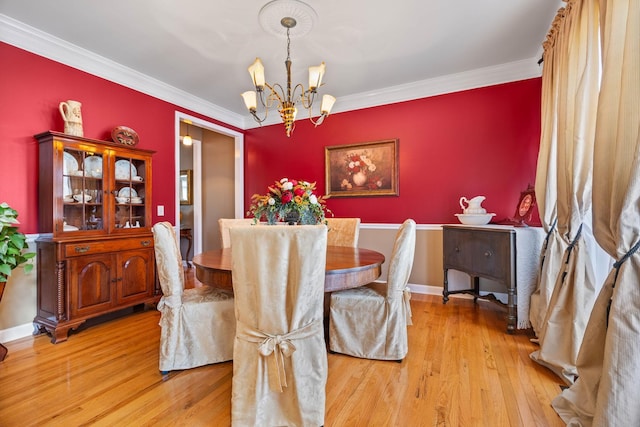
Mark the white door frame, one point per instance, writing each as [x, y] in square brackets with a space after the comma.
[197, 173]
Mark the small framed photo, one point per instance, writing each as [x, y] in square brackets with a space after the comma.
[526, 205]
[524, 209]
[361, 170]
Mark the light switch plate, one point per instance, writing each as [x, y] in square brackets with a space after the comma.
[160, 210]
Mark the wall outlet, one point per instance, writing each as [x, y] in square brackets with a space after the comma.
[160, 210]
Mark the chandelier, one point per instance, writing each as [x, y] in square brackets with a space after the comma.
[286, 100]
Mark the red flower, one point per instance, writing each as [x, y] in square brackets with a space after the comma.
[287, 196]
[299, 191]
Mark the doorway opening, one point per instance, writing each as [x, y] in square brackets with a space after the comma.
[205, 135]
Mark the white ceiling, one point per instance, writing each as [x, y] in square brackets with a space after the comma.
[375, 51]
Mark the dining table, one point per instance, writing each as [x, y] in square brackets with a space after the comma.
[346, 267]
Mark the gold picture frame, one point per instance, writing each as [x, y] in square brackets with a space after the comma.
[362, 170]
[186, 187]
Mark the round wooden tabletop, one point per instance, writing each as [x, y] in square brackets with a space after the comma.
[346, 267]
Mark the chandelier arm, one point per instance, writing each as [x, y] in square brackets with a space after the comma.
[254, 114]
[307, 97]
[274, 92]
[268, 103]
[261, 97]
[318, 122]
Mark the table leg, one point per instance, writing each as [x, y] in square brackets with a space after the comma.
[190, 239]
[186, 233]
[445, 290]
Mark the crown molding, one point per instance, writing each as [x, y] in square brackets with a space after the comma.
[35, 41]
[481, 77]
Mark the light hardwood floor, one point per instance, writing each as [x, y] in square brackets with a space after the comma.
[462, 370]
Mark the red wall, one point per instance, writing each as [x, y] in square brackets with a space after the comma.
[476, 142]
[31, 88]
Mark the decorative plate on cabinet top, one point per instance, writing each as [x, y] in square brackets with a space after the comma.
[124, 135]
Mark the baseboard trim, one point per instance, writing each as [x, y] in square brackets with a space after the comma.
[17, 332]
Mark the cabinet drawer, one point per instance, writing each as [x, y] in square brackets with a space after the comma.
[479, 253]
[97, 247]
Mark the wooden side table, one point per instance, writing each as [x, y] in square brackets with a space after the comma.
[505, 254]
[186, 233]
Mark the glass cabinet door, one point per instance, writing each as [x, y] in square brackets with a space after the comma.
[129, 190]
[82, 190]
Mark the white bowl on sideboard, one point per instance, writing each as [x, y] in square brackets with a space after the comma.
[475, 219]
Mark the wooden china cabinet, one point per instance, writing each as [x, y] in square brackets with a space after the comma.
[95, 250]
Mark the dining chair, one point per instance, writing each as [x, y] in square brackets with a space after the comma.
[225, 224]
[279, 358]
[343, 231]
[371, 321]
[197, 325]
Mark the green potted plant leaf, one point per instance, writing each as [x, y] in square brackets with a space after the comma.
[12, 245]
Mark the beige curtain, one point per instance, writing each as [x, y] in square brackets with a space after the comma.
[576, 52]
[607, 390]
[546, 182]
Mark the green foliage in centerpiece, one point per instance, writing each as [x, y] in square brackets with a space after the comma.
[286, 199]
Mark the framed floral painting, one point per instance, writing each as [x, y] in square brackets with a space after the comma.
[366, 169]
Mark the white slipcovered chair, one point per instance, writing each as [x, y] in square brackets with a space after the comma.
[197, 325]
[343, 231]
[225, 224]
[280, 357]
[371, 321]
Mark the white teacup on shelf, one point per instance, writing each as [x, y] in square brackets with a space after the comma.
[82, 197]
[136, 178]
[122, 199]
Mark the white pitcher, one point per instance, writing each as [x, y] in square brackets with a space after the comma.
[72, 116]
[474, 205]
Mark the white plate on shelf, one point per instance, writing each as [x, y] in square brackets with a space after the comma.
[70, 164]
[125, 170]
[93, 165]
[127, 192]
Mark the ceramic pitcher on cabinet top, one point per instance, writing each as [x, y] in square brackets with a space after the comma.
[72, 116]
[473, 205]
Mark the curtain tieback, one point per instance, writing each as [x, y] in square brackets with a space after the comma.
[625, 257]
[573, 244]
[276, 347]
[171, 301]
[546, 242]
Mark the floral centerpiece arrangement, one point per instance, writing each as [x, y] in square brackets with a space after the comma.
[289, 201]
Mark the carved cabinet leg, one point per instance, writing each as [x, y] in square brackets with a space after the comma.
[3, 352]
